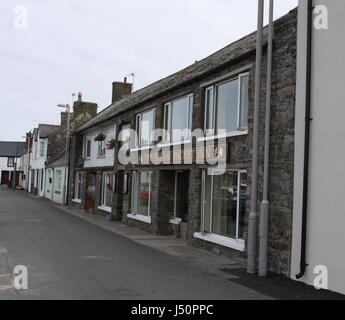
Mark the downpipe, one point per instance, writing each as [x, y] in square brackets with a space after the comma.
[265, 206]
[303, 263]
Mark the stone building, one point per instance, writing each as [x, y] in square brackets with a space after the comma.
[188, 198]
[56, 172]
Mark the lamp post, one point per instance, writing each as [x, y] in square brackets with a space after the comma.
[15, 168]
[67, 107]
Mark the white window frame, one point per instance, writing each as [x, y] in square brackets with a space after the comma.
[78, 179]
[134, 198]
[42, 149]
[58, 179]
[86, 140]
[101, 149]
[235, 243]
[213, 88]
[138, 121]
[168, 111]
[103, 189]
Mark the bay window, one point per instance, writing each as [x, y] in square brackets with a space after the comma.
[225, 204]
[141, 193]
[178, 118]
[145, 124]
[226, 106]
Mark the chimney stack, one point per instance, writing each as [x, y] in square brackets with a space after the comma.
[120, 90]
[80, 96]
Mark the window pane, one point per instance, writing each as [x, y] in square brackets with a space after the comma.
[224, 204]
[227, 105]
[208, 201]
[144, 193]
[180, 112]
[242, 205]
[147, 126]
[209, 109]
[108, 189]
[244, 102]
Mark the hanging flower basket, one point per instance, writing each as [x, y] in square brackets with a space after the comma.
[100, 137]
[111, 144]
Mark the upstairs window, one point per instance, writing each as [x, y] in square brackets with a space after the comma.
[87, 147]
[226, 106]
[10, 162]
[178, 119]
[42, 149]
[145, 124]
[101, 149]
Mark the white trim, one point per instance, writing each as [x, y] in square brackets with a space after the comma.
[139, 217]
[172, 144]
[76, 201]
[221, 240]
[244, 69]
[176, 221]
[106, 209]
[227, 135]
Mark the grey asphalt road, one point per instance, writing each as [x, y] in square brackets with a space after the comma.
[68, 258]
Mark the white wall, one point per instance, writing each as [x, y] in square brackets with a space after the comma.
[326, 215]
[108, 159]
[38, 162]
[53, 191]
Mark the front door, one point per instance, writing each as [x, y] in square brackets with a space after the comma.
[90, 194]
[181, 200]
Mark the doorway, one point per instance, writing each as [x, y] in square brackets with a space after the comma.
[90, 194]
[181, 196]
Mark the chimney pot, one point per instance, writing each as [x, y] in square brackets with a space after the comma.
[80, 96]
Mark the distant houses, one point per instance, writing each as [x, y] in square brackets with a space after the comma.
[10, 162]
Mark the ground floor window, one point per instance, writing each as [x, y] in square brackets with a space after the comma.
[58, 179]
[78, 181]
[107, 189]
[225, 204]
[141, 193]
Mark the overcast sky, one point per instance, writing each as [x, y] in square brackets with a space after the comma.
[85, 45]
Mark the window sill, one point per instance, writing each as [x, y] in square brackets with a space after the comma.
[171, 144]
[141, 149]
[176, 221]
[76, 201]
[228, 135]
[106, 209]
[221, 240]
[139, 217]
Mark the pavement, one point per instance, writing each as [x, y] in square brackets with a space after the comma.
[73, 255]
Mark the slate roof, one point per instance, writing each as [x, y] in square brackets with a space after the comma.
[46, 129]
[11, 149]
[232, 53]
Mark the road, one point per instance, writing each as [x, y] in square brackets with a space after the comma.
[68, 258]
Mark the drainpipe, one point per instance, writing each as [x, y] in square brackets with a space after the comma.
[303, 264]
[253, 217]
[265, 205]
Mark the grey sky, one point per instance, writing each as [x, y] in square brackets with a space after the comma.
[85, 45]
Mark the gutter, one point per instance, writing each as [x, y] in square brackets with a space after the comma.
[303, 264]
